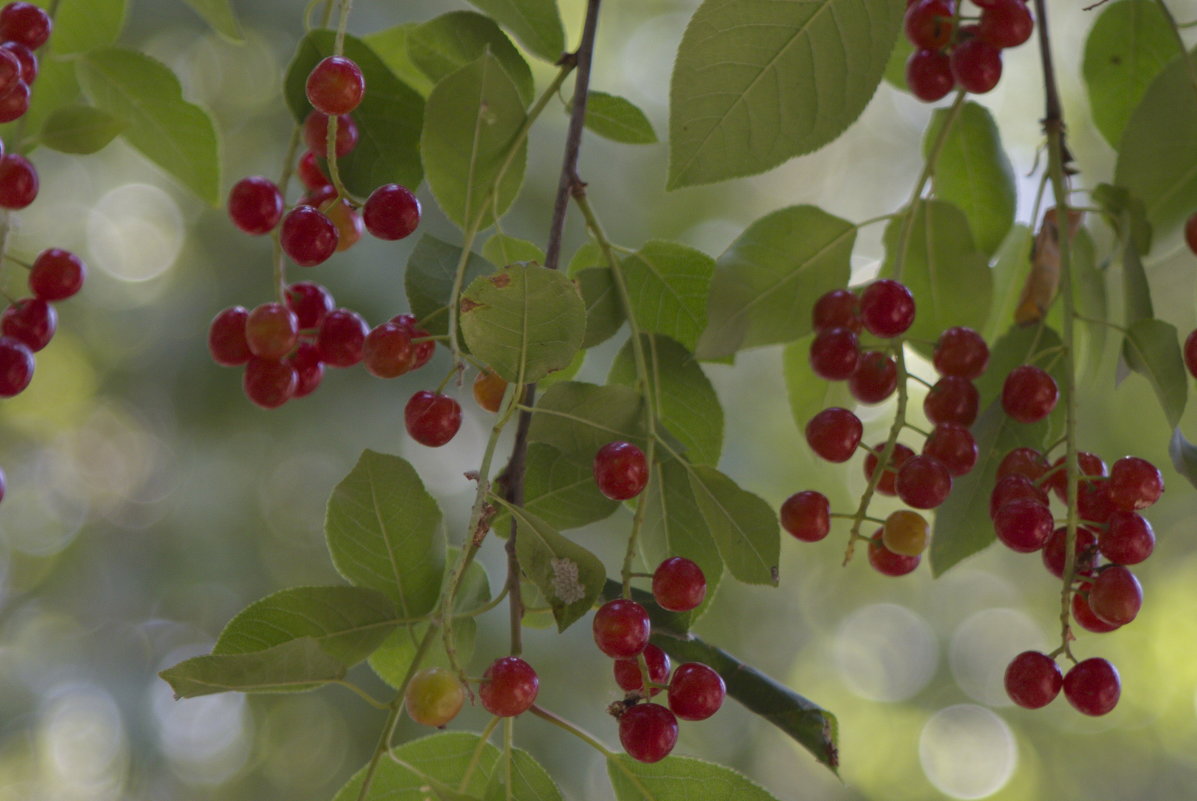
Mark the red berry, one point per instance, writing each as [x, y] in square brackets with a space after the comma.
[1023, 461]
[308, 236]
[976, 65]
[319, 197]
[1191, 240]
[310, 173]
[16, 367]
[1191, 339]
[1093, 502]
[620, 470]
[834, 434]
[310, 302]
[391, 212]
[341, 338]
[1053, 551]
[695, 691]
[509, 687]
[647, 732]
[923, 482]
[255, 205]
[1093, 686]
[929, 23]
[1033, 680]
[1134, 484]
[14, 104]
[27, 58]
[1128, 540]
[961, 352]
[627, 671]
[952, 400]
[271, 331]
[315, 133]
[621, 628]
[309, 371]
[839, 308]
[875, 379]
[30, 320]
[10, 71]
[929, 75]
[885, 484]
[888, 563]
[57, 274]
[388, 352]
[269, 382]
[834, 354]
[806, 515]
[1007, 23]
[1088, 464]
[432, 419]
[954, 446]
[1116, 595]
[1029, 394]
[886, 308]
[424, 349]
[1023, 525]
[1014, 487]
[226, 337]
[18, 182]
[347, 222]
[1084, 615]
[25, 23]
[679, 585]
[335, 85]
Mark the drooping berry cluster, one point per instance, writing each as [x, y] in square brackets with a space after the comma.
[648, 731]
[885, 310]
[23, 28]
[29, 323]
[953, 50]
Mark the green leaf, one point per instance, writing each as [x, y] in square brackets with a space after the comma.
[439, 762]
[618, 119]
[294, 666]
[501, 250]
[391, 45]
[1184, 456]
[431, 269]
[588, 255]
[57, 86]
[80, 129]
[578, 418]
[1162, 169]
[1089, 295]
[219, 14]
[766, 282]
[83, 25]
[1011, 264]
[974, 174]
[176, 135]
[1127, 47]
[949, 277]
[566, 373]
[570, 576]
[536, 23]
[809, 394]
[685, 400]
[347, 622]
[677, 778]
[668, 286]
[1151, 349]
[604, 309]
[389, 118]
[523, 321]
[743, 526]
[1126, 214]
[384, 532]
[472, 145]
[755, 84]
[529, 781]
[559, 488]
[895, 68]
[451, 41]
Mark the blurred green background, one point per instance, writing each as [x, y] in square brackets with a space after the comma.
[149, 501]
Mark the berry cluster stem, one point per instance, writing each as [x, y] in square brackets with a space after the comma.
[280, 260]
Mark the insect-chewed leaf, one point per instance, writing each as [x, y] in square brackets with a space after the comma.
[569, 576]
[1152, 350]
[451, 41]
[294, 666]
[524, 321]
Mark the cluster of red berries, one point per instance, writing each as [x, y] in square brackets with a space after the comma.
[23, 28]
[886, 309]
[648, 731]
[1112, 534]
[28, 324]
[950, 53]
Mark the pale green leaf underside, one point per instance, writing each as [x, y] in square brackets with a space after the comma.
[80, 129]
[392, 46]
[293, 666]
[449, 42]
[83, 25]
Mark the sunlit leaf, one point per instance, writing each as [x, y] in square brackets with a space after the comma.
[391, 45]
[83, 25]
[80, 129]
[535, 23]
[808, 393]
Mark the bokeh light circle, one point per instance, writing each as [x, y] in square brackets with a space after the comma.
[967, 751]
[886, 652]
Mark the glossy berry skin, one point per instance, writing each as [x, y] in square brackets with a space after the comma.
[923, 482]
[885, 484]
[309, 371]
[621, 628]
[347, 222]
[434, 696]
[679, 584]
[57, 274]
[315, 133]
[18, 182]
[961, 352]
[509, 687]
[976, 65]
[695, 691]
[954, 446]
[1084, 616]
[3, 485]
[1134, 484]
[1191, 241]
[432, 419]
[839, 308]
[1024, 525]
[1088, 464]
[1128, 540]
[647, 732]
[888, 563]
[834, 354]
[310, 302]
[886, 308]
[952, 400]
[16, 367]
[424, 349]
[15, 102]
[928, 23]
[255, 205]
[905, 532]
[806, 515]
[875, 379]
[30, 320]
[627, 671]
[1029, 394]
[620, 470]
[834, 434]
[1006, 23]
[1053, 551]
[269, 382]
[226, 337]
[391, 212]
[335, 85]
[271, 331]
[308, 236]
[1116, 595]
[10, 71]
[1024, 461]
[388, 352]
[1033, 680]
[1014, 487]
[29, 65]
[341, 338]
[489, 389]
[25, 23]
[929, 75]
[1190, 352]
[310, 173]
[1093, 686]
